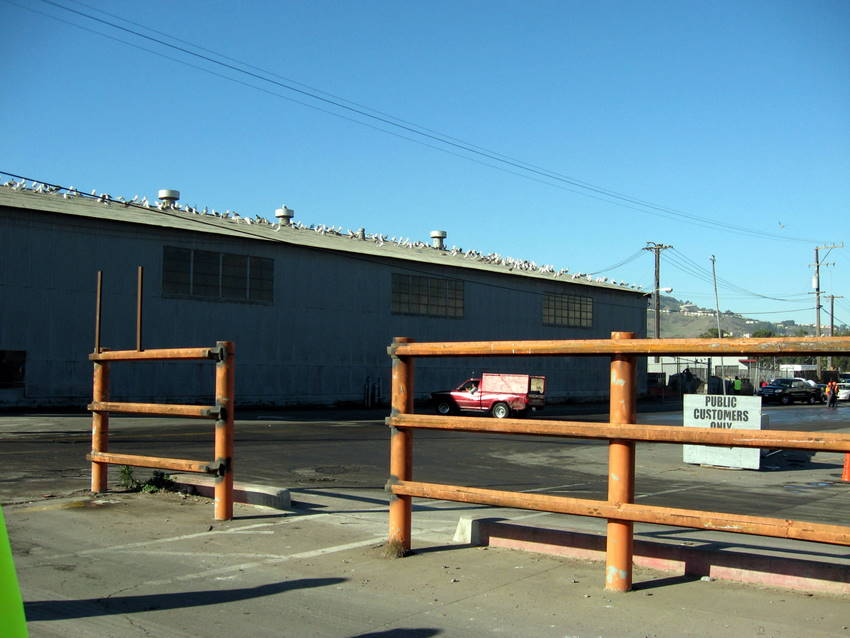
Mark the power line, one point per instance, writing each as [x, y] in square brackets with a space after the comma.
[625, 261]
[587, 188]
[702, 273]
[368, 258]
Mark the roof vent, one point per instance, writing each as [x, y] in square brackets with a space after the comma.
[437, 237]
[284, 215]
[168, 195]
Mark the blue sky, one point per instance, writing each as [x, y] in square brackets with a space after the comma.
[736, 115]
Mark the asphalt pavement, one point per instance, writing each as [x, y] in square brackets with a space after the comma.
[137, 564]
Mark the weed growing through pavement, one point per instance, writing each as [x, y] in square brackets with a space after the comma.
[156, 483]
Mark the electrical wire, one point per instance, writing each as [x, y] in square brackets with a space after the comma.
[586, 188]
[627, 260]
[704, 274]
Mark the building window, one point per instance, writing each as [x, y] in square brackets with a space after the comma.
[428, 296]
[568, 310]
[12, 365]
[205, 274]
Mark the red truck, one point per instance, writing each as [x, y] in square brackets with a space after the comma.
[498, 394]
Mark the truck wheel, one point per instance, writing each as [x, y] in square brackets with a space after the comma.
[785, 400]
[812, 399]
[500, 410]
[445, 408]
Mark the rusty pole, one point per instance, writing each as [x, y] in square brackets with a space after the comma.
[225, 388]
[140, 279]
[621, 470]
[401, 452]
[98, 311]
[100, 427]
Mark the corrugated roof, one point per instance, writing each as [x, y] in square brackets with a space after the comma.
[321, 237]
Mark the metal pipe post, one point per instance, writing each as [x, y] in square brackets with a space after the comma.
[225, 388]
[140, 279]
[621, 470]
[98, 311]
[401, 452]
[100, 427]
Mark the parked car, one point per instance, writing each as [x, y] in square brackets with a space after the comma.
[844, 391]
[786, 391]
[500, 395]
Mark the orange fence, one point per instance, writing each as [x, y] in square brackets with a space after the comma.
[621, 432]
[222, 412]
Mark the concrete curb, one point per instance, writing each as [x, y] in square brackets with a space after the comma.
[249, 493]
[797, 574]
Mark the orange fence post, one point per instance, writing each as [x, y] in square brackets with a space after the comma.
[621, 470]
[401, 452]
[100, 427]
[224, 397]
[845, 474]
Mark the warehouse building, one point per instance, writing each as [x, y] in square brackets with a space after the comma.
[310, 309]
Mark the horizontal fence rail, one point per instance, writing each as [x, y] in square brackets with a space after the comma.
[779, 439]
[761, 526]
[161, 409]
[771, 346]
[162, 354]
[136, 460]
[621, 433]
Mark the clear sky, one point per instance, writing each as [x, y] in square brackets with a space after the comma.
[729, 121]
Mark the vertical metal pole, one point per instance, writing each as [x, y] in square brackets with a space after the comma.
[621, 469]
[100, 427]
[719, 331]
[98, 311]
[401, 453]
[225, 391]
[140, 278]
[831, 327]
[657, 296]
[817, 308]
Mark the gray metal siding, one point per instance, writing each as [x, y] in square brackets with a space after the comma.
[320, 342]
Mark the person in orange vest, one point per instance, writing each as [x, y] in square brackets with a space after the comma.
[832, 394]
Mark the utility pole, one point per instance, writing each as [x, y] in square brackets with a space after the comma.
[656, 292]
[816, 286]
[832, 299]
[717, 316]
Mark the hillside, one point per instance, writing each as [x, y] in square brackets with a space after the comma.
[683, 319]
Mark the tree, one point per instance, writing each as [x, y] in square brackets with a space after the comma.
[711, 333]
[763, 333]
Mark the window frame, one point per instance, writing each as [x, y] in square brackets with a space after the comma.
[427, 296]
[209, 275]
[567, 310]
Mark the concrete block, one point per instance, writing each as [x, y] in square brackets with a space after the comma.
[473, 530]
[250, 493]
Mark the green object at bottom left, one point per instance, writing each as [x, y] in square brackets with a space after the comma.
[13, 624]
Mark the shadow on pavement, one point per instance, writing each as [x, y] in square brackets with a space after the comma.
[401, 633]
[665, 582]
[65, 609]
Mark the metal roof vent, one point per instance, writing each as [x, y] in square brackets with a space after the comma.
[437, 237]
[284, 215]
[168, 196]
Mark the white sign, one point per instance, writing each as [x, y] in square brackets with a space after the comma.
[727, 412]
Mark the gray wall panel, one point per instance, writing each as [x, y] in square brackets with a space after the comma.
[322, 341]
